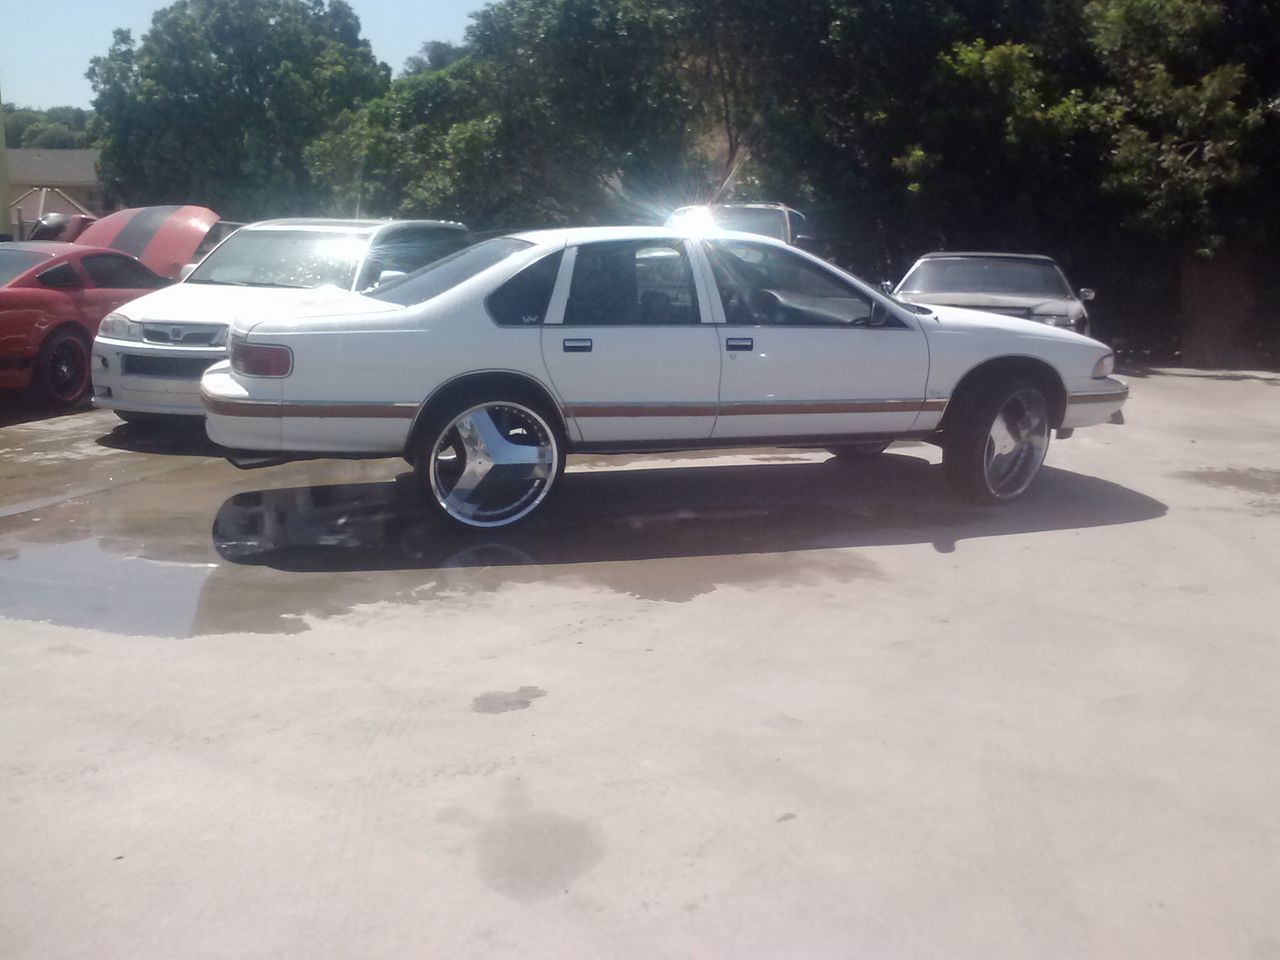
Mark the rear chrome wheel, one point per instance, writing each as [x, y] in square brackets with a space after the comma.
[997, 443]
[491, 464]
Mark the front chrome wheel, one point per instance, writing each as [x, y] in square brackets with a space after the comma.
[1017, 441]
[493, 464]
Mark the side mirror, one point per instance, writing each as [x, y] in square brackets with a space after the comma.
[886, 286]
[386, 276]
[186, 271]
[1087, 293]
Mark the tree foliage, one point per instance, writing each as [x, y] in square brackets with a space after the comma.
[220, 99]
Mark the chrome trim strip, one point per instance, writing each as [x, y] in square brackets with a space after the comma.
[226, 407]
[751, 408]
[1111, 396]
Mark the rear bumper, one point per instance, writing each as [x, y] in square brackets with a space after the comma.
[144, 378]
[237, 420]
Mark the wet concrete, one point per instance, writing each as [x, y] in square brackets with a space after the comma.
[744, 703]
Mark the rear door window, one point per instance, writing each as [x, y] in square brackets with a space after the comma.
[632, 283]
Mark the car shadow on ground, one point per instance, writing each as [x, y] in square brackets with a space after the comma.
[649, 513]
[175, 437]
[16, 408]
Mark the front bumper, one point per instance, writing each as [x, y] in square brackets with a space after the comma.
[146, 378]
[1098, 404]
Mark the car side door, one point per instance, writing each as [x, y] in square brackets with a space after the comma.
[630, 345]
[807, 353]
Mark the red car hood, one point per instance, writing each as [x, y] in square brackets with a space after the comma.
[164, 238]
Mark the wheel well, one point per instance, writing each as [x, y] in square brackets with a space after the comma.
[70, 326]
[1003, 369]
[496, 380]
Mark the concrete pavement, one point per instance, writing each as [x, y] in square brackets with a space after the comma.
[743, 704]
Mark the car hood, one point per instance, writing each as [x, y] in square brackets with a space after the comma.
[163, 238]
[213, 303]
[957, 318]
[1008, 304]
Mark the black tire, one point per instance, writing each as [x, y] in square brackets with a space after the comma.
[522, 419]
[971, 456]
[61, 375]
[854, 453]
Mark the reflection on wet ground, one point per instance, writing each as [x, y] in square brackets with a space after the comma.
[138, 557]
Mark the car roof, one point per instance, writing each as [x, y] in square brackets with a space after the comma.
[971, 254]
[322, 224]
[576, 235]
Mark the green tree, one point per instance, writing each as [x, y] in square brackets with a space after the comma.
[43, 133]
[219, 100]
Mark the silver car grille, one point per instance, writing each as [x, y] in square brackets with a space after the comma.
[185, 334]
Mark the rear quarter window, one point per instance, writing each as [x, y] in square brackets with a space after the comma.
[522, 301]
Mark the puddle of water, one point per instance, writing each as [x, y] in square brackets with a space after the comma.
[1248, 479]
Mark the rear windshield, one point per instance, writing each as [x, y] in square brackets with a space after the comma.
[986, 275]
[435, 278]
[284, 258]
[15, 262]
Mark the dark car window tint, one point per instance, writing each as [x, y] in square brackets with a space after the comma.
[15, 262]
[434, 279]
[61, 277]
[522, 300]
[120, 273]
[764, 285]
[409, 249]
[632, 283]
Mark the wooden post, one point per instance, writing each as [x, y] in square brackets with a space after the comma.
[4, 176]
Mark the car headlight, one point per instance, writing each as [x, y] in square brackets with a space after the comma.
[1104, 366]
[119, 327]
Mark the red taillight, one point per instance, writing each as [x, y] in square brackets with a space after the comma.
[260, 359]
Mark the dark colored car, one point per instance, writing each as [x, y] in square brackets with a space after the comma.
[53, 296]
[1024, 285]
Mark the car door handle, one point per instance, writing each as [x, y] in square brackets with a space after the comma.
[580, 345]
[739, 343]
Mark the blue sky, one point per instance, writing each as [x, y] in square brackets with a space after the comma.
[48, 43]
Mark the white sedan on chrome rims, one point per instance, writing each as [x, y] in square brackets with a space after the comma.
[486, 368]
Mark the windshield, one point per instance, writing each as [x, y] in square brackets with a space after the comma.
[435, 278]
[986, 275]
[284, 258]
[761, 221]
[15, 262]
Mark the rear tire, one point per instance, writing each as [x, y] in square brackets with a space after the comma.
[61, 375]
[994, 447]
[488, 458]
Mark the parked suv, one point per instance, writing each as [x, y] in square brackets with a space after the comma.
[150, 353]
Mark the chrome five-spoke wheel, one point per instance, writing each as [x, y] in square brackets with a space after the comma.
[993, 447]
[1016, 443]
[492, 463]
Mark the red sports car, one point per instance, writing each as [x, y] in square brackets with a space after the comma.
[52, 298]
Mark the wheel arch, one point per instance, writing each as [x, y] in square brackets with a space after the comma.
[507, 380]
[999, 369]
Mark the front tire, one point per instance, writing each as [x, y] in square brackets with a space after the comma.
[488, 460]
[61, 374]
[997, 443]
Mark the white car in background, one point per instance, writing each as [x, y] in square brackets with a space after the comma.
[485, 368]
[150, 353]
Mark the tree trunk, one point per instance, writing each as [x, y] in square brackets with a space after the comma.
[1218, 298]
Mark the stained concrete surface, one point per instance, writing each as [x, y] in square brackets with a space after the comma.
[739, 704]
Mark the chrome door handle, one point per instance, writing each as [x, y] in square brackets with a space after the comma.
[739, 343]
[581, 345]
